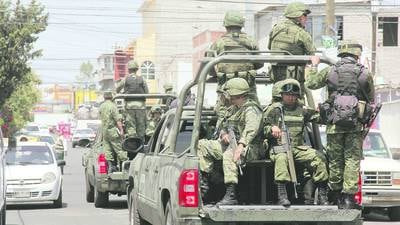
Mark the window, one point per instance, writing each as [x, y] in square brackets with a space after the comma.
[388, 27]
[147, 70]
[316, 27]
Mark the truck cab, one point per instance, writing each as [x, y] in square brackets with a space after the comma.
[163, 186]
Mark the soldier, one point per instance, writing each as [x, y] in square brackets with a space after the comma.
[352, 82]
[112, 131]
[154, 118]
[168, 89]
[243, 117]
[295, 117]
[290, 35]
[135, 121]
[235, 40]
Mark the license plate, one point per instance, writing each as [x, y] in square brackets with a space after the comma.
[22, 194]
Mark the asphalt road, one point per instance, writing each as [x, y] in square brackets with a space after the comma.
[76, 211]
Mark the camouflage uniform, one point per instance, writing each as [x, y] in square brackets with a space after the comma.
[168, 89]
[135, 120]
[344, 145]
[111, 139]
[289, 35]
[153, 121]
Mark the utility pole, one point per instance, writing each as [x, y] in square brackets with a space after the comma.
[330, 18]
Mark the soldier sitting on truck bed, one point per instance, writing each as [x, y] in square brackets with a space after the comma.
[288, 115]
[243, 119]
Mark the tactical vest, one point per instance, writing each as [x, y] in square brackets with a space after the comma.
[134, 85]
[285, 36]
[347, 77]
[294, 121]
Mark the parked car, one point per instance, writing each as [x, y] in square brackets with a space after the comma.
[33, 174]
[2, 182]
[81, 134]
[380, 175]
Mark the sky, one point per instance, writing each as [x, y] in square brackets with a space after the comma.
[80, 31]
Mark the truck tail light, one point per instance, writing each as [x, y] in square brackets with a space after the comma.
[189, 188]
[102, 164]
[358, 195]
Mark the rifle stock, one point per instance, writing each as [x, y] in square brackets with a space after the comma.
[372, 119]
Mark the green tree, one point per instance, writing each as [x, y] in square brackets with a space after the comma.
[19, 28]
[17, 109]
[86, 73]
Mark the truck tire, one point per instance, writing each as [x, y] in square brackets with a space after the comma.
[168, 215]
[134, 217]
[394, 213]
[3, 215]
[100, 198]
[58, 202]
[89, 189]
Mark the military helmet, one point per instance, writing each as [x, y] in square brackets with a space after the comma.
[133, 65]
[236, 86]
[108, 94]
[156, 109]
[290, 86]
[168, 87]
[233, 18]
[349, 47]
[296, 9]
[276, 90]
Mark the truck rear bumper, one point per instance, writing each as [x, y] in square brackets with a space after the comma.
[114, 183]
[380, 197]
[275, 213]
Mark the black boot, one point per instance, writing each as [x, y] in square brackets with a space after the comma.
[323, 193]
[336, 198]
[282, 194]
[204, 187]
[230, 195]
[348, 201]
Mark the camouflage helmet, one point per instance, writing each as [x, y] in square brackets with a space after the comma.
[108, 94]
[233, 18]
[236, 86]
[168, 87]
[276, 90]
[132, 65]
[296, 9]
[290, 86]
[349, 47]
[156, 109]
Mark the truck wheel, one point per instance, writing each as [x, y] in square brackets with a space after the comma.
[58, 203]
[168, 215]
[100, 198]
[134, 217]
[3, 215]
[89, 189]
[394, 213]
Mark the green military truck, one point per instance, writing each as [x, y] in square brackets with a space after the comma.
[164, 179]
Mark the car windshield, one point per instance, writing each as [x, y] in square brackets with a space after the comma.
[47, 139]
[84, 131]
[32, 128]
[373, 145]
[26, 155]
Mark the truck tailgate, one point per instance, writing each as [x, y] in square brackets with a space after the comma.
[275, 213]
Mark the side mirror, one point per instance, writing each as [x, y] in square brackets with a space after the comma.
[395, 153]
[133, 146]
[84, 143]
[60, 163]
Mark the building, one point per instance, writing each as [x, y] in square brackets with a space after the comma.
[105, 72]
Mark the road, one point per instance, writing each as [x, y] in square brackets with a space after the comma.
[76, 211]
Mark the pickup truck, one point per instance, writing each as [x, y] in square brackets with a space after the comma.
[164, 178]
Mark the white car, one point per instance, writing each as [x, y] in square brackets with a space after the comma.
[33, 174]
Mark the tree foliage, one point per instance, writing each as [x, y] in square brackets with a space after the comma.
[19, 28]
[17, 109]
[86, 72]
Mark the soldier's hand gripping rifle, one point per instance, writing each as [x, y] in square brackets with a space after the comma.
[285, 141]
[371, 119]
[233, 145]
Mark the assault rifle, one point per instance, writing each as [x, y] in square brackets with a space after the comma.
[233, 146]
[285, 141]
[371, 119]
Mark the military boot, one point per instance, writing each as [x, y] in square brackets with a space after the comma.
[348, 201]
[204, 186]
[323, 193]
[230, 195]
[336, 198]
[282, 194]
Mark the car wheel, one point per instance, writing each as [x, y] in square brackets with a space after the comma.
[73, 145]
[100, 198]
[3, 215]
[58, 203]
[394, 213]
[168, 215]
[89, 189]
[134, 217]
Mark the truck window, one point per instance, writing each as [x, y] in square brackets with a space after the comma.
[163, 135]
